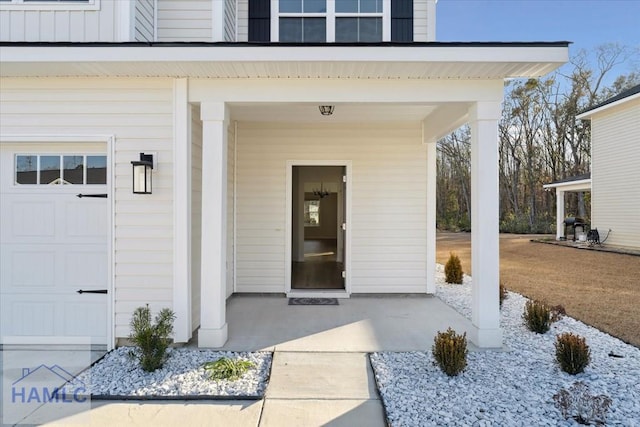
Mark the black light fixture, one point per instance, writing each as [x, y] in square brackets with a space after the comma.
[326, 110]
[142, 174]
[321, 193]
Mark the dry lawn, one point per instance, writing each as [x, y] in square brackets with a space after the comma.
[601, 289]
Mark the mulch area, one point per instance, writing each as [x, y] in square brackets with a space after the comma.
[597, 287]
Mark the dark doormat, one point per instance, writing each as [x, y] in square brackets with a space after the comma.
[313, 301]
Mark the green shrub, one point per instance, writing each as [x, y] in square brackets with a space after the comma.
[453, 269]
[151, 340]
[503, 293]
[450, 351]
[227, 369]
[572, 353]
[537, 316]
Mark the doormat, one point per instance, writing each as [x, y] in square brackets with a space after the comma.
[313, 301]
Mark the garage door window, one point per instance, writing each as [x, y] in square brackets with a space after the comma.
[48, 169]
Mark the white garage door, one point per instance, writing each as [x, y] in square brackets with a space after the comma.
[54, 244]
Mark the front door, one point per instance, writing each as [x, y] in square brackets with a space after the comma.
[54, 244]
[318, 227]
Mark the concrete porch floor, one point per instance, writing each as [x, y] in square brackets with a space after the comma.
[357, 324]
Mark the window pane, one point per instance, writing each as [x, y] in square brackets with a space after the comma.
[96, 169]
[73, 172]
[315, 6]
[26, 169]
[346, 6]
[370, 29]
[347, 30]
[311, 213]
[290, 29]
[370, 6]
[290, 6]
[314, 30]
[49, 169]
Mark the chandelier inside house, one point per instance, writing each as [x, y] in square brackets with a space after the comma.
[321, 193]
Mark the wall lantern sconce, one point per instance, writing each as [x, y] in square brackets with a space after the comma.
[326, 110]
[142, 174]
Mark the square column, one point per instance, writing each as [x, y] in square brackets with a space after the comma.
[559, 215]
[213, 314]
[485, 253]
[431, 215]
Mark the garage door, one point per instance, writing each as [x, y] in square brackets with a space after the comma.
[53, 244]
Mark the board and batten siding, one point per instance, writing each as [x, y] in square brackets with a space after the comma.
[615, 174]
[139, 112]
[196, 214]
[145, 20]
[57, 24]
[388, 216]
[184, 20]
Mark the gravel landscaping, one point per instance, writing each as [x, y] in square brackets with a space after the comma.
[512, 387]
[118, 375]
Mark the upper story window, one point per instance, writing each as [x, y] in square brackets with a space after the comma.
[349, 21]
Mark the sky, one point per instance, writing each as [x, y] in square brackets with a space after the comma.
[586, 23]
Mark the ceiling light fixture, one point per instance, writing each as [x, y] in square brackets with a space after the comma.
[326, 110]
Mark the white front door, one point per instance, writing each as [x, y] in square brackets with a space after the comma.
[54, 244]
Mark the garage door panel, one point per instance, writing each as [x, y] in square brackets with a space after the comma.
[33, 220]
[85, 319]
[85, 269]
[85, 218]
[29, 317]
[32, 269]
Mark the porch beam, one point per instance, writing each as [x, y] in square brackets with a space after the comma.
[213, 322]
[485, 254]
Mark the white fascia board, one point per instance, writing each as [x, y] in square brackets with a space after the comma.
[376, 54]
[581, 185]
[589, 114]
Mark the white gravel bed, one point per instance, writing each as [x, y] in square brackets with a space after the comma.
[118, 374]
[506, 388]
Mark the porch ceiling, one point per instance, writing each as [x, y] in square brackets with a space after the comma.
[450, 61]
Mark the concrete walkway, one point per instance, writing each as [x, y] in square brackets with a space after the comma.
[321, 374]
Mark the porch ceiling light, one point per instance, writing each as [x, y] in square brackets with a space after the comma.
[142, 174]
[326, 110]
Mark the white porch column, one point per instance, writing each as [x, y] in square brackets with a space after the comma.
[431, 216]
[559, 214]
[485, 254]
[213, 322]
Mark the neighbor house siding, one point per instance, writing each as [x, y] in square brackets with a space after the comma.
[145, 19]
[138, 112]
[184, 20]
[388, 225]
[230, 20]
[615, 174]
[242, 21]
[423, 21]
[196, 214]
[60, 25]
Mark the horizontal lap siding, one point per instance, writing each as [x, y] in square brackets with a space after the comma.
[242, 22]
[184, 20]
[139, 114]
[61, 25]
[388, 225]
[616, 174]
[144, 20]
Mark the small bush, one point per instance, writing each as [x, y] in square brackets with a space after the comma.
[557, 312]
[453, 269]
[151, 340]
[579, 404]
[537, 316]
[227, 369]
[450, 352]
[572, 353]
[503, 293]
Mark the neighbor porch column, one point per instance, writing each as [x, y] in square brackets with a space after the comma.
[213, 322]
[559, 214]
[485, 254]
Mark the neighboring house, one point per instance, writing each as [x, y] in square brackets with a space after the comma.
[572, 184]
[225, 95]
[615, 168]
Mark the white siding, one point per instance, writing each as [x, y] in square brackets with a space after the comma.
[59, 25]
[615, 174]
[230, 20]
[184, 20]
[242, 21]
[388, 226]
[139, 113]
[145, 20]
[196, 214]
[230, 207]
[423, 21]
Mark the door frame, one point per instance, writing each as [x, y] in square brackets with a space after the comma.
[347, 164]
[108, 140]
